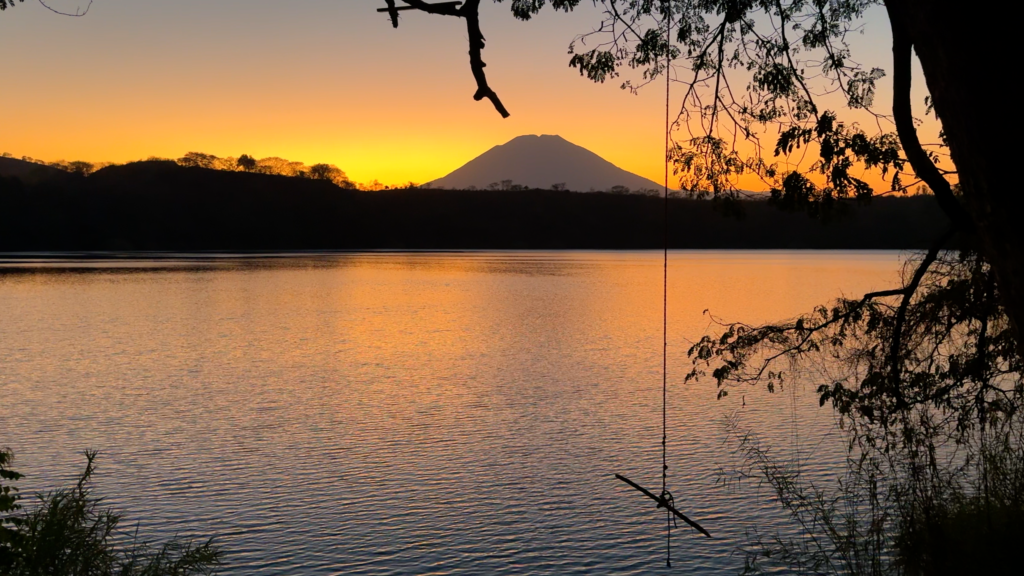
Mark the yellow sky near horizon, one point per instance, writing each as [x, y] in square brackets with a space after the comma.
[324, 81]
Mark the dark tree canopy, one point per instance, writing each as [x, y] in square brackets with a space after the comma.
[246, 162]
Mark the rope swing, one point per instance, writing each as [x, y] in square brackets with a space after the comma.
[469, 10]
[665, 500]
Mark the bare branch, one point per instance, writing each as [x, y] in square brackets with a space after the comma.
[78, 11]
[901, 314]
[392, 11]
[471, 12]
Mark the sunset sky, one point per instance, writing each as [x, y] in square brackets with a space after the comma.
[315, 81]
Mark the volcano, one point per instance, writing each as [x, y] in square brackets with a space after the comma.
[542, 162]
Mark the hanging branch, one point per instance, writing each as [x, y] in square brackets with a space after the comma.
[471, 12]
[78, 11]
[392, 11]
[896, 346]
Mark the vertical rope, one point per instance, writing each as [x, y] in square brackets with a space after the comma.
[664, 290]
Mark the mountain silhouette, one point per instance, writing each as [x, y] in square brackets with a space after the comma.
[542, 162]
[28, 171]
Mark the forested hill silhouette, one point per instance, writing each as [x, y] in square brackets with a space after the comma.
[542, 162]
[28, 171]
[163, 206]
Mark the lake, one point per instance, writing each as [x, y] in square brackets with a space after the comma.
[411, 413]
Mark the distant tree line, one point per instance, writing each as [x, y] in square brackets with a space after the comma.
[271, 165]
[511, 186]
[165, 206]
[79, 167]
[244, 163]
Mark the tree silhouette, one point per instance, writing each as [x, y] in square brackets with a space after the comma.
[247, 163]
[330, 173]
[320, 172]
[198, 160]
[81, 167]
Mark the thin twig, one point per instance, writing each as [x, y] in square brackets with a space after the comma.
[78, 12]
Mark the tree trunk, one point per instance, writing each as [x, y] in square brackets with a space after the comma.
[957, 44]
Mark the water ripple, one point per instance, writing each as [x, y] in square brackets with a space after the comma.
[407, 414]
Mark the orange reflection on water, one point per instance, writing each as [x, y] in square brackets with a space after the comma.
[445, 412]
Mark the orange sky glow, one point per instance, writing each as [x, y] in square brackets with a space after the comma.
[321, 81]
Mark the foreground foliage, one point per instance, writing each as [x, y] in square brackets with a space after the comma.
[69, 532]
[926, 381]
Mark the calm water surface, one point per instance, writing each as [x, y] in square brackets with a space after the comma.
[410, 413]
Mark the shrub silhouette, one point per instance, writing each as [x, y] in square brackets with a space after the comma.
[69, 532]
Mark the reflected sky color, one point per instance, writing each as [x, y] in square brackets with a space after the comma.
[318, 81]
[411, 413]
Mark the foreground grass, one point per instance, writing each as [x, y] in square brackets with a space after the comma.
[69, 532]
